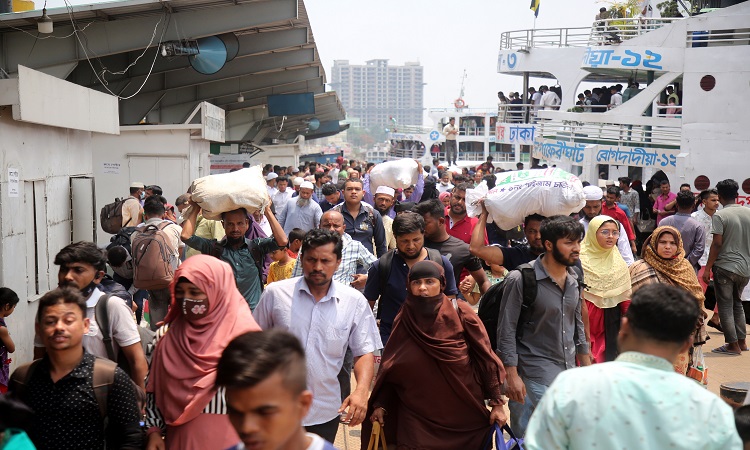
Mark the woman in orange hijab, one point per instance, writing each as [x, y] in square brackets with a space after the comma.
[664, 262]
[206, 313]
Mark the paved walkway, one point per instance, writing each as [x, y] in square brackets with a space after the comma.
[721, 369]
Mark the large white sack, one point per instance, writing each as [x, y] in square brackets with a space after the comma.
[519, 194]
[216, 194]
[398, 174]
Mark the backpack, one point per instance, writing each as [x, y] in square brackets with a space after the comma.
[101, 315]
[490, 304]
[111, 215]
[386, 261]
[109, 286]
[122, 239]
[104, 377]
[152, 267]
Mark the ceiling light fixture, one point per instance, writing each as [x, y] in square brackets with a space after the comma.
[44, 24]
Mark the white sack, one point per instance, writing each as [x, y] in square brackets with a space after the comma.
[398, 174]
[216, 194]
[518, 194]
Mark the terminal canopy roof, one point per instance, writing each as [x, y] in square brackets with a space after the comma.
[114, 47]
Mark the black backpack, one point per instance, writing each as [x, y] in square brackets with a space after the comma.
[110, 217]
[490, 303]
[122, 239]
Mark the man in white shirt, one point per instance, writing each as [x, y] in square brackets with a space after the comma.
[550, 100]
[82, 267]
[328, 317]
[450, 132]
[131, 209]
[159, 299]
[282, 195]
[301, 212]
[263, 371]
[271, 183]
[535, 98]
[616, 99]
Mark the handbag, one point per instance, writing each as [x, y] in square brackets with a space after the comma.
[377, 437]
[513, 443]
[646, 223]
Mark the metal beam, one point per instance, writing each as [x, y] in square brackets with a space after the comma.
[235, 68]
[249, 45]
[119, 36]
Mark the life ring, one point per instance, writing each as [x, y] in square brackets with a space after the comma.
[459, 103]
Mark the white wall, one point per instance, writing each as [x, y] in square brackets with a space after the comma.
[46, 158]
[169, 158]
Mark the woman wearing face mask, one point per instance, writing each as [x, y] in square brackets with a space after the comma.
[664, 262]
[206, 313]
[438, 368]
[607, 293]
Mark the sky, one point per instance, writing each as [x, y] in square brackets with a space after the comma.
[446, 37]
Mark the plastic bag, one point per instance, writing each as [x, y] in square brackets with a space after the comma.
[698, 370]
[398, 174]
[217, 194]
[521, 193]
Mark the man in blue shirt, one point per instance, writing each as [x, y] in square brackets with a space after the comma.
[363, 222]
[638, 400]
[244, 255]
[408, 229]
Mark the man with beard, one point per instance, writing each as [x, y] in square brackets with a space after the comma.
[385, 196]
[328, 317]
[538, 342]
[592, 209]
[244, 255]
[457, 222]
[363, 222]
[508, 257]
[301, 212]
[82, 267]
[408, 229]
[456, 250]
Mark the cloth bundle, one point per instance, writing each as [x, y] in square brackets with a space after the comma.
[398, 174]
[216, 194]
[519, 194]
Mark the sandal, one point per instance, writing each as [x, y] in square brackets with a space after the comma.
[716, 325]
[724, 351]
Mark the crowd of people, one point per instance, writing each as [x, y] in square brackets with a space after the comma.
[245, 332]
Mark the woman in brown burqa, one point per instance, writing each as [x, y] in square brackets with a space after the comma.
[437, 370]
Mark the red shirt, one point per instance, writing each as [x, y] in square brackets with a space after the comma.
[618, 214]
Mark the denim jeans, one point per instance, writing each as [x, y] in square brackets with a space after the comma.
[728, 287]
[520, 413]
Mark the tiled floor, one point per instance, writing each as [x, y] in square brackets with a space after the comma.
[721, 369]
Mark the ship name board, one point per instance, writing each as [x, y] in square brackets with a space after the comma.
[647, 59]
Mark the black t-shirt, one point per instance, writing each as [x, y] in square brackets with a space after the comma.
[457, 251]
[515, 256]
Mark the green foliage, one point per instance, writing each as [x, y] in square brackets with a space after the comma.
[669, 9]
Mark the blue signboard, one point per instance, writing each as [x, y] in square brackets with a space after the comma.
[631, 59]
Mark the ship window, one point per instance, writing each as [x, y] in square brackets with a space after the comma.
[708, 82]
[746, 186]
[702, 182]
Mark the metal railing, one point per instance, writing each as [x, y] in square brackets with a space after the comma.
[610, 134]
[602, 32]
[718, 38]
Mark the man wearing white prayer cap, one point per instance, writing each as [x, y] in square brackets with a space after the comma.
[593, 208]
[271, 182]
[301, 212]
[384, 199]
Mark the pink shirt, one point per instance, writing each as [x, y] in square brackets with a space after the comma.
[661, 203]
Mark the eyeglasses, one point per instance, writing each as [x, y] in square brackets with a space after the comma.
[608, 233]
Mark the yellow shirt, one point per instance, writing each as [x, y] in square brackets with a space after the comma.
[278, 272]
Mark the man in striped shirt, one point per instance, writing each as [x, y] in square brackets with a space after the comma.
[354, 253]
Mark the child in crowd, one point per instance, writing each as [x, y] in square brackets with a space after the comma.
[282, 266]
[295, 242]
[8, 302]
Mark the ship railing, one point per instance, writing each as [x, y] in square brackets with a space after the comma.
[462, 112]
[602, 32]
[410, 129]
[602, 133]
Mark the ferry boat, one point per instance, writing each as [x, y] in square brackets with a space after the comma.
[705, 57]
